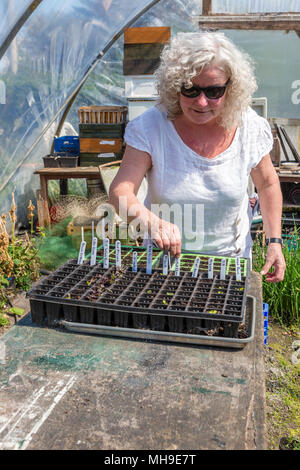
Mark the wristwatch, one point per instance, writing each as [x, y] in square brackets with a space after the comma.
[273, 240]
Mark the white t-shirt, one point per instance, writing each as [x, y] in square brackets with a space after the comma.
[210, 194]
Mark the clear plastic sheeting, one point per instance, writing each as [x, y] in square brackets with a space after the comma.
[40, 70]
[255, 6]
[60, 41]
[10, 13]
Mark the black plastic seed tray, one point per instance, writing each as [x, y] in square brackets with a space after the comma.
[94, 295]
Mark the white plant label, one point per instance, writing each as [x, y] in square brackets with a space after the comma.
[223, 269]
[238, 269]
[196, 267]
[93, 251]
[118, 254]
[210, 268]
[165, 265]
[106, 253]
[177, 267]
[81, 252]
[149, 258]
[134, 262]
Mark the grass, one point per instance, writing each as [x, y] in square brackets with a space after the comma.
[283, 297]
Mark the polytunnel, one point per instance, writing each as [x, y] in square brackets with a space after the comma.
[56, 56]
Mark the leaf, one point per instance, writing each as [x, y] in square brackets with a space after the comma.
[17, 311]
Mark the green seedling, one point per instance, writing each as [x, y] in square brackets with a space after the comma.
[16, 311]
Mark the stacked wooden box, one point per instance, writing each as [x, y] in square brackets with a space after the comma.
[142, 50]
[101, 131]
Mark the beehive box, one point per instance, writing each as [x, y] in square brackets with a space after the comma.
[102, 114]
[142, 49]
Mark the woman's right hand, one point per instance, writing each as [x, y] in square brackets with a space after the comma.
[166, 235]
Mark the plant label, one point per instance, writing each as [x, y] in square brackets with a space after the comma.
[223, 269]
[81, 252]
[165, 265]
[196, 267]
[93, 251]
[118, 254]
[210, 268]
[106, 253]
[238, 269]
[149, 258]
[177, 267]
[134, 262]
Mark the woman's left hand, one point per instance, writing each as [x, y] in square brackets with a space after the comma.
[274, 258]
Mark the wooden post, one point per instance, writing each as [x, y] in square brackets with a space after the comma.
[206, 7]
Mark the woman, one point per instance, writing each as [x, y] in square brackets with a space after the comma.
[197, 148]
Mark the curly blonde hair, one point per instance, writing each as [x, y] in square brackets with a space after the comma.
[187, 55]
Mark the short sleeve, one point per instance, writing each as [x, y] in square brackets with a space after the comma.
[136, 136]
[263, 140]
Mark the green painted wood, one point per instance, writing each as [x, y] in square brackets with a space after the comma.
[102, 130]
[92, 159]
[140, 66]
[142, 51]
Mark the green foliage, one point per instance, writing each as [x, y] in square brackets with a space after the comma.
[3, 300]
[24, 255]
[56, 247]
[283, 297]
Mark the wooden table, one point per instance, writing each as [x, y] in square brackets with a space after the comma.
[67, 391]
[46, 174]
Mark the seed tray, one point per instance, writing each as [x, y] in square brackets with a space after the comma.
[123, 298]
[197, 337]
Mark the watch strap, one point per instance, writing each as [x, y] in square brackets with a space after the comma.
[273, 240]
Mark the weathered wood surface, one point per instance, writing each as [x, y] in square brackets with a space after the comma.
[61, 173]
[104, 145]
[255, 21]
[147, 35]
[69, 391]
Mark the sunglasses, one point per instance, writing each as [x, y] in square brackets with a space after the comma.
[211, 92]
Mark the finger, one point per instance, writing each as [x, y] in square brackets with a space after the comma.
[267, 266]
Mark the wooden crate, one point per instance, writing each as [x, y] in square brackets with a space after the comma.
[96, 145]
[102, 114]
[147, 35]
[109, 131]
